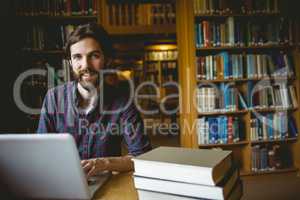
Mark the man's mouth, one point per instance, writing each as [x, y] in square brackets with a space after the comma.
[87, 76]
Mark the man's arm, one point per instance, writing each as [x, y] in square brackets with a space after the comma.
[135, 138]
[120, 164]
[46, 121]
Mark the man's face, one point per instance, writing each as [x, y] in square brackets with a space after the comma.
[87, 60]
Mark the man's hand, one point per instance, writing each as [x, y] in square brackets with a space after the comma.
[95, 166]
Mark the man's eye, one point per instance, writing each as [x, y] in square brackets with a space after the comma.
[76, 57]
[95, 56]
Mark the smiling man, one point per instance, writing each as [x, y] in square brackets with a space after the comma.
[78, 107]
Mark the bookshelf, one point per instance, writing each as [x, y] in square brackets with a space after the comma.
[150, 25]
[161, 71]
[45, 26]
[139, 17]
[219, 32]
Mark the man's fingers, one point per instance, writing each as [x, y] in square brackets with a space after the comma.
[84, 162]
[91, 172]
[87, 167]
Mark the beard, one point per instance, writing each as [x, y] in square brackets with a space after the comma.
[92, 74]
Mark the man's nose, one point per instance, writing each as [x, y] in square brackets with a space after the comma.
[85, 63]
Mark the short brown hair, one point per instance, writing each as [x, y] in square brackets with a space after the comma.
[90, 30]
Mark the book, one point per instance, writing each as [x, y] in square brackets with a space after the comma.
[235, 194]
[270, 158]
[197, 166]
[221, 191]
[221, 130]
[277, 126]
[234, 32]
[56, 7]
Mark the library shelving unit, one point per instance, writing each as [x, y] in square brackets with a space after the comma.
[152, 25]
[45, 26]
[138, 17]
[218, 44]
[160, 73]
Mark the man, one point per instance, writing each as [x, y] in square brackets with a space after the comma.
[79, 108]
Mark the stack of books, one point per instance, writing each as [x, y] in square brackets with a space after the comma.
[173, 173]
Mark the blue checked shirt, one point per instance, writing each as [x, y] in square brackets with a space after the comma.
[97, 134]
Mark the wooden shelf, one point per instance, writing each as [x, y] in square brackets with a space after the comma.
[239, 15]
[223, 113]
[277, 171]
[224, 145]
[243, 48]
[246, 79]
[37, 51]
[262, 110]
[140, 1]
[222, 80]
[165, 60]
[62, 17]
[142, 29]
[273, 141]
[152, 71]
[272, 78]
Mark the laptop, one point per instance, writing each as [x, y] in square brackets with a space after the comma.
[45, 166]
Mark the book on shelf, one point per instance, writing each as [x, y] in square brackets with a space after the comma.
[40, 37]
[34, 87]
[259, 158]
[233, 32]
[278, 95]
[196, 166]
[135, 14]
[292, 127]
[268, 158]
[222, 97]
[169, 71]
[297, 30]
[235, 194]
[219, 130]
[66, 70]
[220, 191]
[269, 127]
[256, 7]
[222, 7]
[58, 75]
[269, 65]
[220, 66]
[161, 55]
[56, 8]
[228, 66]
[293, 96]
[210, 7]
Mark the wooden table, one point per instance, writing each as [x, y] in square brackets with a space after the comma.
[119, 187]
